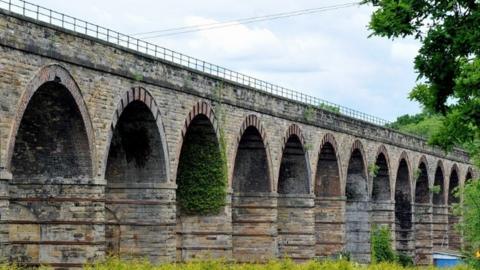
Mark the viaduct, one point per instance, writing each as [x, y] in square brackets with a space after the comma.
[76, 106]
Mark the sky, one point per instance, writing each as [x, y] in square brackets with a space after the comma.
[327, 55]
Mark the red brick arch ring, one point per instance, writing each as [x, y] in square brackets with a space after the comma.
[253, 121]
[199, 108]
[294, 130]
[60, 75]
[142, 95]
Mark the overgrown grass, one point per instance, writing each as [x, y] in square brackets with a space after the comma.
[137, 264]
[115, 263]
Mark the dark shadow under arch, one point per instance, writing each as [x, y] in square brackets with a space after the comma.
[403, 210]
[293, 175]
[135, 168]
[422, 191]
[357, 209]
[51, 152]
[381, 180]
[251, 171]
[439, 193]
[422, 215]
[454, 239]
[253, 209]
[327, 181]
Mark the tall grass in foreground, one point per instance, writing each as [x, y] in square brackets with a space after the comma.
[118, 264]
[113, 263]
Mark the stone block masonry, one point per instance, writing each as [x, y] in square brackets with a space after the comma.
[89, 152]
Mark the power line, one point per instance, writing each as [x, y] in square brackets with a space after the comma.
[249, 20]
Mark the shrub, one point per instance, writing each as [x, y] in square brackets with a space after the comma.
[404, 259]
[382, 250]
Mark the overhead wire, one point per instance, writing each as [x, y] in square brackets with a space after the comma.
[230, 23]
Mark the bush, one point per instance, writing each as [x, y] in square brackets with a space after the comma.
[404, 259]
[382, 250]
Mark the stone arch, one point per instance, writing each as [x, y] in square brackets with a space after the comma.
[294, 201]
[138, 94]
[136, 173]
[254, 207]
[403, 207]
[422, 186]
[454, 182]
[329, 200]
[50, 150]
[201, 108]
[59, 75]
[381, 180]
[252, 127]
[422, 213]
[469, 175]
[294, 174]
[440, 208]
[439, 180]
[327, 176]
[454, 239]
[201, 186]
[357, 206]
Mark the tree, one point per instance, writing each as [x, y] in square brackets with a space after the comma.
[448, 62]
[423, 124]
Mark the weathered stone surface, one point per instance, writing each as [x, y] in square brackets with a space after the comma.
[68, 194]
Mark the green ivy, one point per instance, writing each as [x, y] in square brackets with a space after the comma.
[202, 174]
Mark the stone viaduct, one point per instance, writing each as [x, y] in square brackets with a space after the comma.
[76, 111]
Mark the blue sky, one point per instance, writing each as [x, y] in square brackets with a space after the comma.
[327, 55]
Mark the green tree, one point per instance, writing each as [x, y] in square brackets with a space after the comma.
[423, 124]
[448, 63]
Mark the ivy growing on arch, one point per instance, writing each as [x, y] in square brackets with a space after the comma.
[202, 173]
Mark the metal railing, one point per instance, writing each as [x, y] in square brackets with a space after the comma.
[46, 15]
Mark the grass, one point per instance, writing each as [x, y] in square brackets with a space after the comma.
[138, 264]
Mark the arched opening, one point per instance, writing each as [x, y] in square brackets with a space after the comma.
[293, 176]
[251, 173]
[327, 182]
[201, 193]
[440, 211]
[357, 209]
[136, 166]
[403, 210]
[329, 204]
[454, 239]
[253, 210]
[423, 217]
[382, 207]
[468, 177]
[438, 188]
[51, 153]
[381, 180]
[422, 192]
[294, 202]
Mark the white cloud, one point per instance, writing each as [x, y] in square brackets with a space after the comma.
[328, 55]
